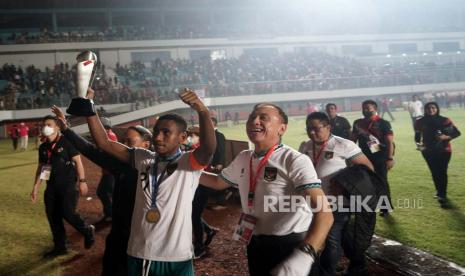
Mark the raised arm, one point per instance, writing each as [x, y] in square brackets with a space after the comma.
[86, 148]
[204, 153]
[118, 150]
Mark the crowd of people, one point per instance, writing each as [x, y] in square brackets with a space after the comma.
[156, 229]
[148, 84]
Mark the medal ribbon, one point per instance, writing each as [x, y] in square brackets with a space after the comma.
[156, 182]
[316, 157]
[253, 177]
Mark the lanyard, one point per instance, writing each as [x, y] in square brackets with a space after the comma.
[316, 157]
[50, 150]
[371, 125]
[157, 181]
[253, 176]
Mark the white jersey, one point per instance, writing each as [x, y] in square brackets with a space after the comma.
[171, 238]
[331, 159]
[286, 173]
[415, 109]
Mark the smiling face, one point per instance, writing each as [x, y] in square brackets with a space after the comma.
[331, 110]
[265, 127]
[431, 110]
[167, 137]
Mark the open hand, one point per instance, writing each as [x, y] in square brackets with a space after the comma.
[190, 98]
[62, 122]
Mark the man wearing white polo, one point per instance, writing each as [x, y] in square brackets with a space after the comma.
[282, 239]
[330, 154]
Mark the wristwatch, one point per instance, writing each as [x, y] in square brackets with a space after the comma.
[82, 180]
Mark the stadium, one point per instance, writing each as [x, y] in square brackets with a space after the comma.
[95, 95]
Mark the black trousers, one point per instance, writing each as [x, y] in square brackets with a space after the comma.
[105, 193]
[380, 167]
[264, 252]
[199, 226]
[438, 163]
[61, 204]
[15, 143]
[115, 258]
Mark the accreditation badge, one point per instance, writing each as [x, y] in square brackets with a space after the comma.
[244, 228]
[152, 215]
[45, 172]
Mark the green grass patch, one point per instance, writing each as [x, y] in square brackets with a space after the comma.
[417, 220]
[24, 231]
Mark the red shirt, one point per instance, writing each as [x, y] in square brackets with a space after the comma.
[23, 131]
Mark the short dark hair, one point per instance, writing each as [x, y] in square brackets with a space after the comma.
[370, 102]
[281, 112]
[144, 133]
[49, 117]
[320, 116]
[215, 121]
[330, 104]
[179, 120]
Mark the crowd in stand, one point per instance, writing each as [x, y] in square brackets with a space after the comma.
[145, 84]
[202, 30]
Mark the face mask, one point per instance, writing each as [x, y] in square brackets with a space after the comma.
[367, 114]
[47, 131]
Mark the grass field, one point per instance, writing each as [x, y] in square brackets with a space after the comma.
[24, 232]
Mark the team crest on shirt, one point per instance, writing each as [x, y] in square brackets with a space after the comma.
[170, 168]
[329, 155]
[270, 173]
[60, 149]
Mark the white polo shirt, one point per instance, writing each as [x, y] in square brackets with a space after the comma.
[286, 173]
[171, 238]
[415, 108]
[332, 159]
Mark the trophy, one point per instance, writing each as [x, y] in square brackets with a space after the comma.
[85, 73]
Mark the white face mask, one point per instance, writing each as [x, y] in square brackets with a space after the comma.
[47, 131]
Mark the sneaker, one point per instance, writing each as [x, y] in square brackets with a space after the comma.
[55, 252]
[199, 253]
[89, 238]
[210, 236]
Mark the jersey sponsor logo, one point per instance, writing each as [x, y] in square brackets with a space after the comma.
[329, 155]
[270, 174]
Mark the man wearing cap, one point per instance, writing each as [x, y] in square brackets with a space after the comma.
[23, 136]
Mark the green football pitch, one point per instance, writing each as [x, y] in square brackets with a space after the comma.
[417, 220]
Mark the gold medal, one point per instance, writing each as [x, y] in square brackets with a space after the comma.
[153, 215]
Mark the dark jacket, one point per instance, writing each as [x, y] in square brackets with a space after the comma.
[358, 180]
[218, 157]
[115, 257]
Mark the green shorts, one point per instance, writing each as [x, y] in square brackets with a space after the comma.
[139, 267]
